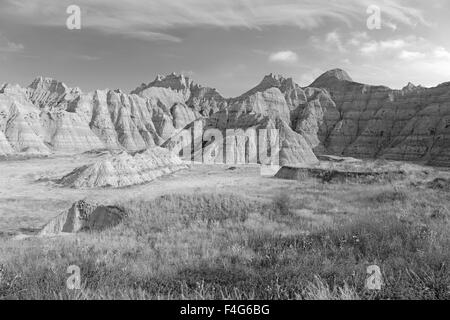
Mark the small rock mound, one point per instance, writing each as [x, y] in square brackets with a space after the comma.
[84, 216]
[124, 170]
[327, 175]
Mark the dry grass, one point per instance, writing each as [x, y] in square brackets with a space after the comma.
[313, 244]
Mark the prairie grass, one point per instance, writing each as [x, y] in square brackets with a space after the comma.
[228, 246]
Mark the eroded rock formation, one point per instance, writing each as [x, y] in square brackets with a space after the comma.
[411, 124]
[125, 169]
[48, 116]
[84, 216]
[335, 116]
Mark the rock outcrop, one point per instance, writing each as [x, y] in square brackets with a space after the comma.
[124, 169]
[84, 216]
[411, 124]
[328, 175]
[20, 121]
[5, 147]
[176, 89]
[48, 116]
[333, 116]
[241, 132]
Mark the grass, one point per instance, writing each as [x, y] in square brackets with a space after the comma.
[391, 195]
[211, 246]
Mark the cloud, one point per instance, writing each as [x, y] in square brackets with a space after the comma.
[356, 38]
[441, 53]
[411, 55]
[334, 39]
[151, 19]
[410, 48]
[8, 46]
[144, 35]
[284, 56]
[373, 47]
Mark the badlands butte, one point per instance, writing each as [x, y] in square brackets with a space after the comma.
[333, 116]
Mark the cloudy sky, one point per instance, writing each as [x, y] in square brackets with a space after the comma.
[226, 44]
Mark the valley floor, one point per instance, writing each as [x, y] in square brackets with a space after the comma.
[217, 232]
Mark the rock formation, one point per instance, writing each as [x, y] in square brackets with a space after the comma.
[125, 169]
[176, 89]
[84, 216]
[411, 124]
[334, 116]
[327, 175]
[244, 126]
[48, 116]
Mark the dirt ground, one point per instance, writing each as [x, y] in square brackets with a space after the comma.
[30, 197]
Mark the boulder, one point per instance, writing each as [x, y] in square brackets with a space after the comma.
[84, 216]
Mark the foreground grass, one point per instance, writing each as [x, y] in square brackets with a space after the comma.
[210, 246]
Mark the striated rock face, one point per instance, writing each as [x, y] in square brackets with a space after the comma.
[20, 122]
[5, 147]
[47, 93]
[125, 170]
[331, 77]
[50, 117]
[84, 216]
[243, 132]
[411, 124]
[179, 90]
[334, 116]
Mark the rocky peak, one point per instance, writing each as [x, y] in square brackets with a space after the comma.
[49, 84]
[270, 81]
[9, 88]
[176, 89]
[49, 93]
[276, 81]
[173, 81]
[273, 80]
[411, 87]
[331, 76]
[177, 82]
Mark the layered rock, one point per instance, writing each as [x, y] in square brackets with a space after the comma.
[125, 169]
[330, 77]
[410, 124]
[49, 117]
[47, 93]
[253, 128]
[5, 147]
[335, 115]
[177, 89]
[84, 216]
[20, 122]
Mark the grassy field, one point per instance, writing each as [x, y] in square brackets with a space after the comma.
[310, 241]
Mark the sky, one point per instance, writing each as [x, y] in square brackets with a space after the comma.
[226, 44]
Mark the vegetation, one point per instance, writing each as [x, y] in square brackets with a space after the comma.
[211, 246]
